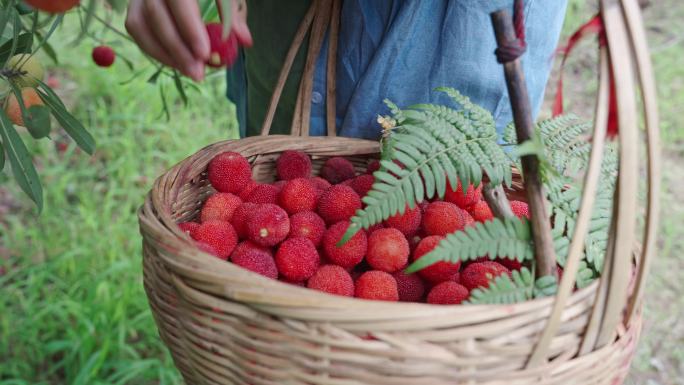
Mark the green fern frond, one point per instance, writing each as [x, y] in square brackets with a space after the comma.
[480, 116]
[519, 287]
[545, 286]
[510, 136]
[395, 110]
[510, 239]
[585, 275]
[432, 142]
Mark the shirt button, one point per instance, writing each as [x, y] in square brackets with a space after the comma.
[316, 97]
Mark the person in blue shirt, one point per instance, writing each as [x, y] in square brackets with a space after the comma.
[395, 49]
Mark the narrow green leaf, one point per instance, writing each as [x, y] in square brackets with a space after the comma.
[16, 28]
[227, 14]
[89, 10]
[48, 49]
[20, 161]
[22, 44]
[53, 27]
[117, 5]
[70, 124]
[179, 87]
[155, 76]
[165, 105]
[2, 156]
[128, 63]
[36, 118]
[37, 121]
[209, 11]
[22, 8]
[5, 16]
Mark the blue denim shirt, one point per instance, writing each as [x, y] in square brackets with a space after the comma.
[403, 49]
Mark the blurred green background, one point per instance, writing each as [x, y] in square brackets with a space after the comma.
[72, 306]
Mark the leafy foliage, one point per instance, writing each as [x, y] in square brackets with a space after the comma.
[496, 238]
[519, 287]
[566, 148]
[503, 289]
[24, 30]
[435, 145]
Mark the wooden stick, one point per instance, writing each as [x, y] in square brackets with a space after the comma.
[522, 115]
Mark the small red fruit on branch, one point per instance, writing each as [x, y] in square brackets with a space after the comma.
[53, 6]
[104, 56]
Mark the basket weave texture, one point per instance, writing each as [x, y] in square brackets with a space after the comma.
[226, 325]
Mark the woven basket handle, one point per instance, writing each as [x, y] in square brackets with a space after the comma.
[321, 15]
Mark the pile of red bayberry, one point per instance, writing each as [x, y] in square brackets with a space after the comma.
[289, 231]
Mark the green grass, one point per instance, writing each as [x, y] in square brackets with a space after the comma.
[73, 310]
[72, 306]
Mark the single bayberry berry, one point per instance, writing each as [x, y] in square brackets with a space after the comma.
[223, 52]
[104, 56]
[53, 6]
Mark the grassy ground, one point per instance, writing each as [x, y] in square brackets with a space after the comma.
[72, 304]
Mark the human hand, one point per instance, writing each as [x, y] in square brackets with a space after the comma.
[172, 31]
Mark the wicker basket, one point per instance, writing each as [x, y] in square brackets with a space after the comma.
[226, 325]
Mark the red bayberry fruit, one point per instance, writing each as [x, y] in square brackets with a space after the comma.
[332, 279]
[338, 203]
[388, 250]
[298, 195]
[229, 172]
[510, 264]
[223, 52]
[249, 187]
[362, 184]
[448, 293]
[53, 6]
[376, 285]
[220, 206]
[218, 234]
[245, 247]
[520, 209]
[471, 196]
[309, 225]
[297, 259]
[293, 164]
[255, 258]
[411, 287]
[349, 254]
[263, 193]
[440, 271]
[442, 218]
[373, 166]
[240, 217]
[337, 169]
[103, 56]
[481, 212]
[408, 222]
[320, 183]
[268, 225]
[480, 273]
